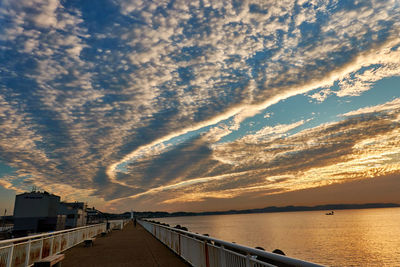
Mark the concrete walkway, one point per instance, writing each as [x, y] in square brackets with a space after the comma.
[128, 247]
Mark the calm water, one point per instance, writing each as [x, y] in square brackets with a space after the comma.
[369, 237]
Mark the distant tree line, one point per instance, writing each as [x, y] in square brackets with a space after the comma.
[162, 214]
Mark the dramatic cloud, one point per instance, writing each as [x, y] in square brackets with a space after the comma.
[167, 101]
[355, 148]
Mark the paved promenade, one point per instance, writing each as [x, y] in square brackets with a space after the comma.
[128, 247]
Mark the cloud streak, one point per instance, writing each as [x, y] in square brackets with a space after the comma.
[360, 147]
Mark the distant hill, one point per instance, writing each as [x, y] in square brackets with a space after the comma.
[160, 214]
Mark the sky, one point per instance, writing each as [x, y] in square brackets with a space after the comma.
[200, 105]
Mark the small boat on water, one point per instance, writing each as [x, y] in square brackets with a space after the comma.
[330, 213]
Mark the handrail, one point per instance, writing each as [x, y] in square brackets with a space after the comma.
[25, 251]
[47, 234]
[5, 228]
[236, 248]
[57, 232]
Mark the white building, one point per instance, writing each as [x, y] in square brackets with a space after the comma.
[75, 213]
[36, 212]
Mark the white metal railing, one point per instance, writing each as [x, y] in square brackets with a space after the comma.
[24, 251]
[117, 224]
[6, 228]
[200, 250]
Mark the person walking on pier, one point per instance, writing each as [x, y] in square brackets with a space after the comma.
[134, 222]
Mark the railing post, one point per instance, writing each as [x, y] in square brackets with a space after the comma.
[222, 254]
[10, 256]
[179, 246]
[206, 254]
[59, 242]
[68, 241]
[51, 246]
[28, 250]
[41, 248]
[248, 260]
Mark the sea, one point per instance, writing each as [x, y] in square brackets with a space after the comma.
[364, 237]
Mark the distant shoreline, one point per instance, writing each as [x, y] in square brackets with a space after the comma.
[161, 214]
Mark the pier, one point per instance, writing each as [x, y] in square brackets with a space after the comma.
[127, 247]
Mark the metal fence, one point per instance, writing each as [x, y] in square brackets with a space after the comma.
[5, 228]
[25, 251]
[118, 224]
[199, 250]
